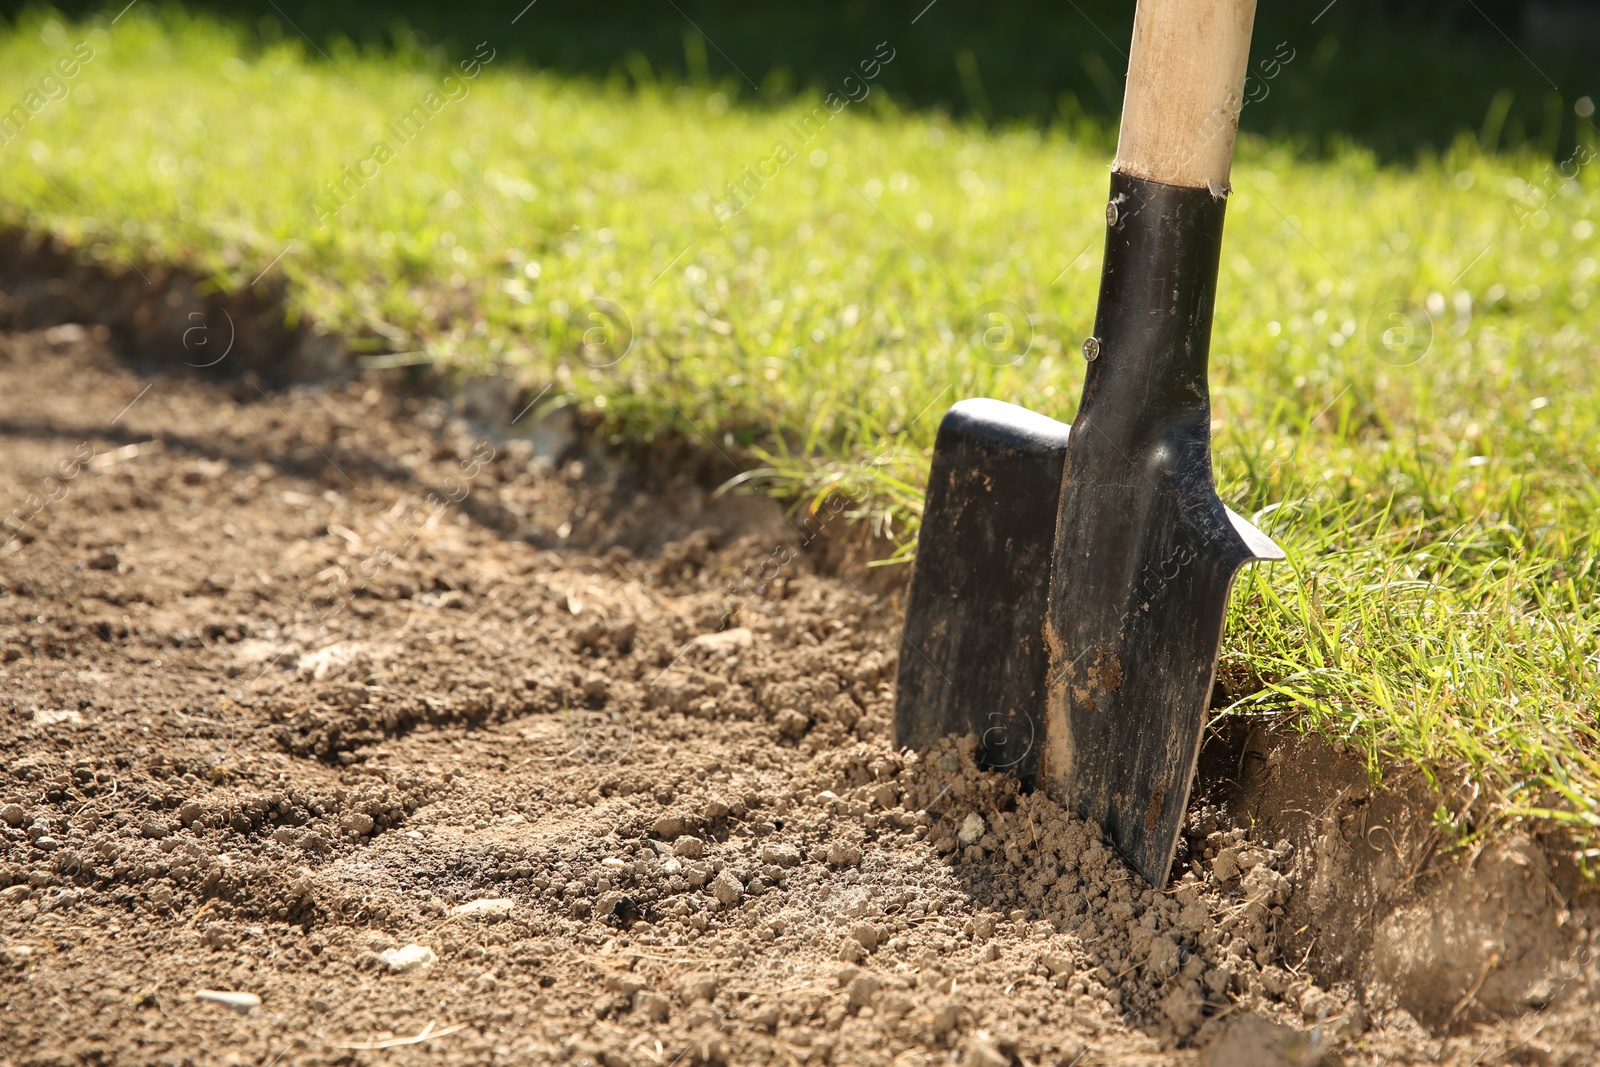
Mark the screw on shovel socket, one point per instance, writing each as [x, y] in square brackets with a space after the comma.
[1091, 349]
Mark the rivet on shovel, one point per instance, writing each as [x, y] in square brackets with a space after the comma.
[1112, 214]
[1091, 349]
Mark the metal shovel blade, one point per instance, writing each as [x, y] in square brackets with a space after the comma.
[972, 657]
[1145, 552]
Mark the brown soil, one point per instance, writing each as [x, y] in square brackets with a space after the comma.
[269, 715]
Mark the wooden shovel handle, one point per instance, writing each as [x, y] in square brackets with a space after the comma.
[1186, 74]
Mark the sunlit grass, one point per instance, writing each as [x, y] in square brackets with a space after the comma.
[1437, 498]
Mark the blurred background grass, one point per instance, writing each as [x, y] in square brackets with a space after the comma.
[1393, 76]
[1404, 361]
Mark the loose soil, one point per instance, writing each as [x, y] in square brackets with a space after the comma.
[441, 747]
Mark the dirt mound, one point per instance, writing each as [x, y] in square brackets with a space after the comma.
[430, 746]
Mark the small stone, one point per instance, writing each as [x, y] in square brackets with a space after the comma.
[242, 1003]
[490, 908]
[766, 1017]
[672, 827]
[792, 723]
[1266, 885]
[153, 828]
[357, 822]
[1163, 956]
[1226, 865]
[716, 809]
[700, 987]
[1060, 967]
[218, 938]
[727, 889]
[46, 844]
[850, 950]
[12, 814]
[866, 935]
[412, 957]
[972, 829]
[726, 641]
[595, 686]
[844, 854]
[190, 812]
[690, 848]
[652, 1006]
[781, 855]
[862, 989]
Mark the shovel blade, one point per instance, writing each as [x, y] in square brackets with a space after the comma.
[972, 656]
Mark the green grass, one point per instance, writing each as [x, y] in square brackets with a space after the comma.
[1439, 516]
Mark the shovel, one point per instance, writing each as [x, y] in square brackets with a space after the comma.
[1071, 582]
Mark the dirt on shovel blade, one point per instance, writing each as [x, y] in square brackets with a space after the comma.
[334, 731]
